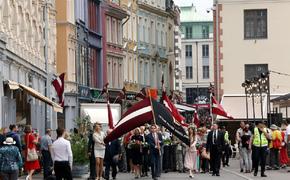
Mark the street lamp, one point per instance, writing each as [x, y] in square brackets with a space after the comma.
[256, 87]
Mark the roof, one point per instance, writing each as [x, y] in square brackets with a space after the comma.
[191, 14]
[281, 98]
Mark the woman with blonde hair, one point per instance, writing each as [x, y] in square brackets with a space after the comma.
[99, 149]
[30, 141]
[191, 152]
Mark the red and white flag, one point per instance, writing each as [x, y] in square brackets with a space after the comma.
[218, 109]
[141, 95]
[58, 85]
[170, 106]
[105, 91]
[110, 116]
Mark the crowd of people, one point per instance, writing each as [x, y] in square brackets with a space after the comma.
[148, 148]
[262, 146]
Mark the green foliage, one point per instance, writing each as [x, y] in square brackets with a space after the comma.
[79, 141]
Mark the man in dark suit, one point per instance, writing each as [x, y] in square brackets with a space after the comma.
[112, 156]
[215, 144]
[155, 142]
[91, 154]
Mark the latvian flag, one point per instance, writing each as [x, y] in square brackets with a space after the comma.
[142, 113]
[58, 85]
[218, 109]
[170, 106]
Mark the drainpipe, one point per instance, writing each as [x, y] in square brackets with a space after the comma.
[217, 51]
[47, 83]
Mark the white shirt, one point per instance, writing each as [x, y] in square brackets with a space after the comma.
[61, 150]
[288, 130]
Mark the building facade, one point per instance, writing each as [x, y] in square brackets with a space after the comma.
[131, 76]
[28, 50]
[257, 45]
[66, 58]
[197, 54]
[152, 43]
[114, 43]
[177, 52]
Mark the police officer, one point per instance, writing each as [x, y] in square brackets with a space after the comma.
[227, 149]
[259, 147]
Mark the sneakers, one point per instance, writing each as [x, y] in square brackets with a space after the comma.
[27, 177]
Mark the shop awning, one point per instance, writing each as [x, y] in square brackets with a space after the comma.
[14, 85]
[235, 105]
[182, 108]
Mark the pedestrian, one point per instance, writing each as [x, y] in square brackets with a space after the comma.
[145, 153]
[204, 160]
[275, 146]
[3, 132]
[227, 148]
[246, 148]
[191, 152]
[283, 150]
[167, 151]
[259, 147]
[45, 147]
[62, 156]
[91, 155]
[239, 142]
[179, 154]
[155, 142]
[10, 160]
[215, 144]
[99, 150]
[136, 146]
[30, 164]
[14, 134]
[112, 156]
[126, 141]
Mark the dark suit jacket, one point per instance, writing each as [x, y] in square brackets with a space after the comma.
[91, 144]
[220, 142]
[112, 148]
[151, 141]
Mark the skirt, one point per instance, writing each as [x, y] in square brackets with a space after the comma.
[99, 153]
[190, 160]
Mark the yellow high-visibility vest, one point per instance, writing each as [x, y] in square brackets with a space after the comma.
[259, 140]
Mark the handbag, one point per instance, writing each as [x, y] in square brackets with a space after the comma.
[31, 153]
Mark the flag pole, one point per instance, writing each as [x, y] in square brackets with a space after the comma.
[116, 99]
[210, 103]
[154, 120]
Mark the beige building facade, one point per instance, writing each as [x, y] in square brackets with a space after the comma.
[23, 30]
[236, 50]
[65, 56]
[252, 38]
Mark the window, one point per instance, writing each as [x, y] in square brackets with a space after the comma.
[255, 70]
[188, 50]
[205, 32]
[188, 32]
[205, 72]
[255, 24]
[205, 50]
[188, 72]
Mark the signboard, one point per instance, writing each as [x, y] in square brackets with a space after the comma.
[84, 92]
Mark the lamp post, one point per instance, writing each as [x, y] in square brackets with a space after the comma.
[258, 86]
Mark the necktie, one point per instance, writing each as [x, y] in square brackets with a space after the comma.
[214, 137]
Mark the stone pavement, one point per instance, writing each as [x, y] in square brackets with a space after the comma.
[228, 173]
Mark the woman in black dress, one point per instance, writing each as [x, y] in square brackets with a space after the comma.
[136, 146]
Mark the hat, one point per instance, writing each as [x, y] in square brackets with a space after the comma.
[274, 127]
[9, 141]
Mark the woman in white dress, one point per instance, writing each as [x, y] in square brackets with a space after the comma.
[191, 152]
[99, 149]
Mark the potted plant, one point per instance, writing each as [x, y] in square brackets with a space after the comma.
[79, 145]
